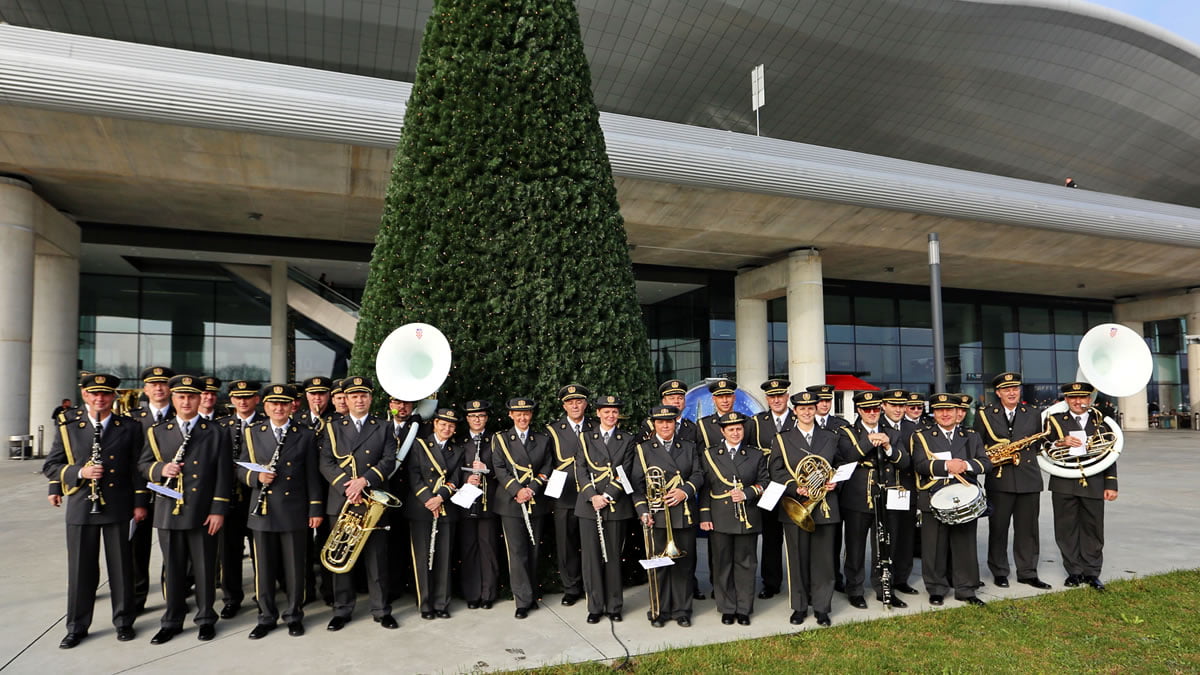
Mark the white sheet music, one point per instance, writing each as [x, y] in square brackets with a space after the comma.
[898, 499]
[165, 491]
[770, 496]
[1081, 450]
[625, 482]
[554, 486]
[944, 456]
[656, 562]
[466, 495]
[843, 472]
[259, 468]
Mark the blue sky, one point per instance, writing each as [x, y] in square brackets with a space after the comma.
[1181, 17]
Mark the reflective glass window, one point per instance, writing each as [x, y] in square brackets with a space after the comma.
[838, 325]
[241, 312]
[916, 364]
[241, 357]
[878, 362]
[875, 321]
[959, 321]
[1034, 326]
[1068, 328]
[999, 328]
[721, 328]
[115, 353]
[839, 358]
[1037, 365]
[108, 303]
[177, 307]
[916, 325]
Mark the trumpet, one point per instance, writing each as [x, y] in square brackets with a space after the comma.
[813, 473]
[739, 508]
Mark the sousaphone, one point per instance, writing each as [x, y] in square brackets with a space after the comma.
[412, 364]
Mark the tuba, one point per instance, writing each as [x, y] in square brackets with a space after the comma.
[812, 472]
[413, 362]
[354, 524]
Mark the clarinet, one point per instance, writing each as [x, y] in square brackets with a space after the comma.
[261, 507]
[178, 459]
[883, 538]
[476, 509]
[94, 495]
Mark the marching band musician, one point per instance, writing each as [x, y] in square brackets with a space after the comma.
[208, 397]
[831, 423]
[243, 395]
[403, 420]
[810, 555]
[193, 457]
[285, 504]
[1079, 503]
[723, 398]
[357, 453]
[914, 410]
[777, 418]
[478, 531]
[902, 523]
[857, 495]
[683, 477]
[94, 460]
[337, 399]
[564, 436]
[522, 461]
[674, 394]
[1013, 490]
[735, 474]
[433, 471]
[316, 394]
[602, 497]
[157, 409]
[938, 453]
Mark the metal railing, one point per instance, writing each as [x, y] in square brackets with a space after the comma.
[316, 286]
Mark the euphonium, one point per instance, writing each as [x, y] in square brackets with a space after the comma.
[656, 499]
[812, 472]
[355, 523]
[1009, 452]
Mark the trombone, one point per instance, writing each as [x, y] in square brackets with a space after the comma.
[656, 500]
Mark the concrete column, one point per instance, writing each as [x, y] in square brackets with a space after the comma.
[1135, 416]
[806, 319]
[279, 323]
[1192, 327]
[753, 356]
[16, 303]
[55, 350]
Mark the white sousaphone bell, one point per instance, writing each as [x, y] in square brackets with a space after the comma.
[412, 364]
[1116, 361]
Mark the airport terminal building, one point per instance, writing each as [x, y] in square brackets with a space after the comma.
[202, 188]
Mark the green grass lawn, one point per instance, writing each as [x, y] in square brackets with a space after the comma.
[1142, 625]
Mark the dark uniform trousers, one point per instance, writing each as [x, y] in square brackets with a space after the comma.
[180, 547]
[596, 474]
[374, 560]
[83, 566]
[1079, 504]
[949, 555]
[771, 559]
[432, 472]
[143, 538]
[675, 582]
[602, 580]
[902, 525]
[280, 555]
[567, 532]
[810, 566]
[733, 559]
[479, 549]
[1013, 492]
[432, 586]
[523, 557]
[230, 548]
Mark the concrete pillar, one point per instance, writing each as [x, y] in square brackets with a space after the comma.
[279, 322]
[16, 302]
[55, 351]
[1192, 327]
[753, 355]
[1135, 416]
[805, 319]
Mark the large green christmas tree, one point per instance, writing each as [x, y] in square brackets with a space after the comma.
[501, 225]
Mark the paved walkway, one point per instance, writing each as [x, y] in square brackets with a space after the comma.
[1150, 529]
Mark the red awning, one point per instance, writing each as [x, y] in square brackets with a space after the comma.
[849, 383]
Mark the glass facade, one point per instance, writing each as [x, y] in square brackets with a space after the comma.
[199, 326]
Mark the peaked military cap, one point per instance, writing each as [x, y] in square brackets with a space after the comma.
[356, 384]
[279, 393]
[915, 398]
[99, 383]
[722, 387]
[804, 398]
[895, 397]
[664, 412]
[447, 414]
[211, 383]
[521, 404]
[241, 388]
[868, 399]
[337, 387]
[157, 374]
[964, 400]
[1006, 380]
[476, 406]
[775, 387]
[1078, 389]
[672, 387]
[317, 385]
[608, 402]
[732, 417]
[185, 384]
[572, 391]
[823, 391]
[943, 401]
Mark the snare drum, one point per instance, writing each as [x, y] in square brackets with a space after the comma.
[957, 504]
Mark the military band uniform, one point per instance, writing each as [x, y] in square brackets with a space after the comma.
[280, 526]
[1078, 505]
[937, 538]
[1013, 491]
[400, 571]
[143, 538]
[564, 438]
[432, 470]
[230, 546]
[856, 497]
[902, 523]
[760, 434]
[347, 453]
[733, 548]
[810, 555]
[206, 481]
[832, 423]
[521, 464]
[681, 467]
[595, 473]
[478, 533]
[120, 449]
[685, 430]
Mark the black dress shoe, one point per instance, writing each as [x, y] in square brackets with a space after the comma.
[858, 601]
[295, 629]
[430, 616]
[164, 635]
[764, 594]
[570, 599]
[823, 619]
[126, 633]
[337, 623]
[522, 612]
[261, 631]
[905, 588]
[442, 614]
[71, 640]
[616, 616]
[797, 618]
[1035, 582]
[974, 601]
[474, 604]
[935, 600]
[727, 619]
[1002, 581]
[207, 632]
[743, 619]
[657, 622]
[698, 595]
[230, 611]
[1094, 582]
[593, 618]
[684, 622]
[1073, 580]
[894, 602]
[389, 622]
[486, 604]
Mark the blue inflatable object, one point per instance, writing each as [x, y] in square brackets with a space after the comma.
[698, 402]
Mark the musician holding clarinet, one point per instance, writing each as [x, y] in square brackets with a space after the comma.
[287, 501]
[479, 530]
[434, 472]
[93, 462]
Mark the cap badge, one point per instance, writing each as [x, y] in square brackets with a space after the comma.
[358, 381]
[278, 389]
[158, 371]
[99, 379]
[570, 390]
